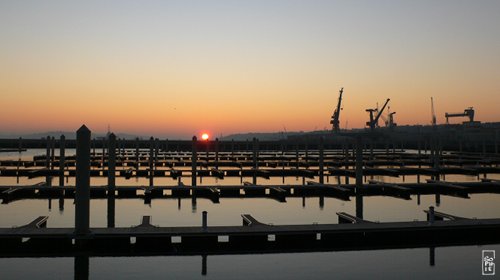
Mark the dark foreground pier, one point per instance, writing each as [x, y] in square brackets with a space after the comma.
[351, 232]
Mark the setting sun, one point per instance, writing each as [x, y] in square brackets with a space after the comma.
[205, 136]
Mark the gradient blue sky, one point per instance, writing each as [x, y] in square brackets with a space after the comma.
[174, 68]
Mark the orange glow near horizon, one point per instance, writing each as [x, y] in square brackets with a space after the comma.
[170, 69]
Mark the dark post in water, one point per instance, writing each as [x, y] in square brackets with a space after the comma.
[431, 215]
[359, 163]
[111, 162]
[82, 195]
[151, 159]
[255, 161]
[321, 161]
[53, 153]
[61, 160]
[193, 162]
[216, 153]
[204, 221]
[359, 177]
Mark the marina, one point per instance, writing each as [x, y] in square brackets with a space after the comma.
[249, 140]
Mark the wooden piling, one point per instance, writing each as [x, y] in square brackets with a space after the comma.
[307, 151]
[137, 153]
[321, 160]
[217, 153]
[103, 152]
[204, 222]
[82, 194]
[359, 163]
[52, 151]
[62, 143]
[111, 210]
[255, 160]
[157, 150]
[47, 158]
[111, 163]
[193, 161]
[151, 160]
[297, 155]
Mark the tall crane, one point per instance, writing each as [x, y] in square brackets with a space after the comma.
[469, 112]
[433, 113]
[390, 118]
[336, 114]
[374, 120]
[389, 121]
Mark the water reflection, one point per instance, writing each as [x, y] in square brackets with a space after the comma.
[269, 264]
[81, 267]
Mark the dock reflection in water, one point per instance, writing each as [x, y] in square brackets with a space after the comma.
[429, 263]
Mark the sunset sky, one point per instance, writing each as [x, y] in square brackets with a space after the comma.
[175, 68]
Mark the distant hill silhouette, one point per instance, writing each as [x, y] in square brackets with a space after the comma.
[262, 136]
[67, 134]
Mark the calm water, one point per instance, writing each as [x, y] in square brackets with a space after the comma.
[450, 262]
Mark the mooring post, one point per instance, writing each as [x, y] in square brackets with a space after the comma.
[346, 160]
[359, 176]
[321, 160]
[111, 210]
[137, 153]
[216, 153]
[255, 161]
[431, 215]
[82, 194]
[47, 157]
[207, 154]
[103, 153]
[193, 162]
[204, 220]
[62, 144]
[151, 160]
[48, 179]
[359, 163]
[359, 205]
[53, 152]
[297, 155]
[111, 163]
[157, 150]
[307, 152]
